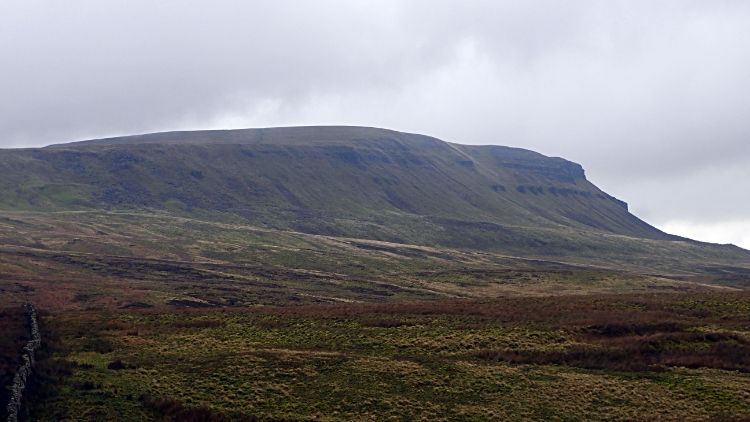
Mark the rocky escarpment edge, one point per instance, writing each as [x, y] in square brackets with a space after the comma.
[27, 357]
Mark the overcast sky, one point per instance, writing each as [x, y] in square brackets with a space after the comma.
[652, 98]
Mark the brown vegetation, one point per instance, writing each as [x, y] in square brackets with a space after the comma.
[609, 315]
[628, 356]
[385, 323]
[642, 353]
[198, 324]
[647, 335]
[171, 410]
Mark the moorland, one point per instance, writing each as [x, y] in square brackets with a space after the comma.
[587, 357]
[344, 273]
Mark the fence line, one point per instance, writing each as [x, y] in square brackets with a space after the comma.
[19, 381]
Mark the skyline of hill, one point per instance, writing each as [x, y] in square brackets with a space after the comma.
[355, 183]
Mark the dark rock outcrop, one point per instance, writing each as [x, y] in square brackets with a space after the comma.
[27, 357]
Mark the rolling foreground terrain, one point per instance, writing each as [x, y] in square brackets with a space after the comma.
[347, 273]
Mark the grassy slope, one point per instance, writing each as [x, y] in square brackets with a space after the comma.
[114, 259]
[356, 183]
[312, 185]
[414, 361]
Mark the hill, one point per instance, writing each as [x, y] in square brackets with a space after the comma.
[318, 180]
[110, 237]
[351, 182]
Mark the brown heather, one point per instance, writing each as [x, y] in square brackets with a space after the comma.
[659, 357]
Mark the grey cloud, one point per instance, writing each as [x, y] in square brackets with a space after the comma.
[651, 97]
[129, 67]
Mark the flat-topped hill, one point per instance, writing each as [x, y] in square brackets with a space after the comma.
[339, 181]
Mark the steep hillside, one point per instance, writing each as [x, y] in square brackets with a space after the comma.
[339, 181]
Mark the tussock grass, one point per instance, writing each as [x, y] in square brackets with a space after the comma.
[502, 359]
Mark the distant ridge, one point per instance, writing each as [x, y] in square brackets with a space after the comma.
[279, 135]
[345, 181]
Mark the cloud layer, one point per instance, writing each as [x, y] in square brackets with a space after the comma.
[652, 98]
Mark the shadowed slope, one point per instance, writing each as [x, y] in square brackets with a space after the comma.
[339, 181]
